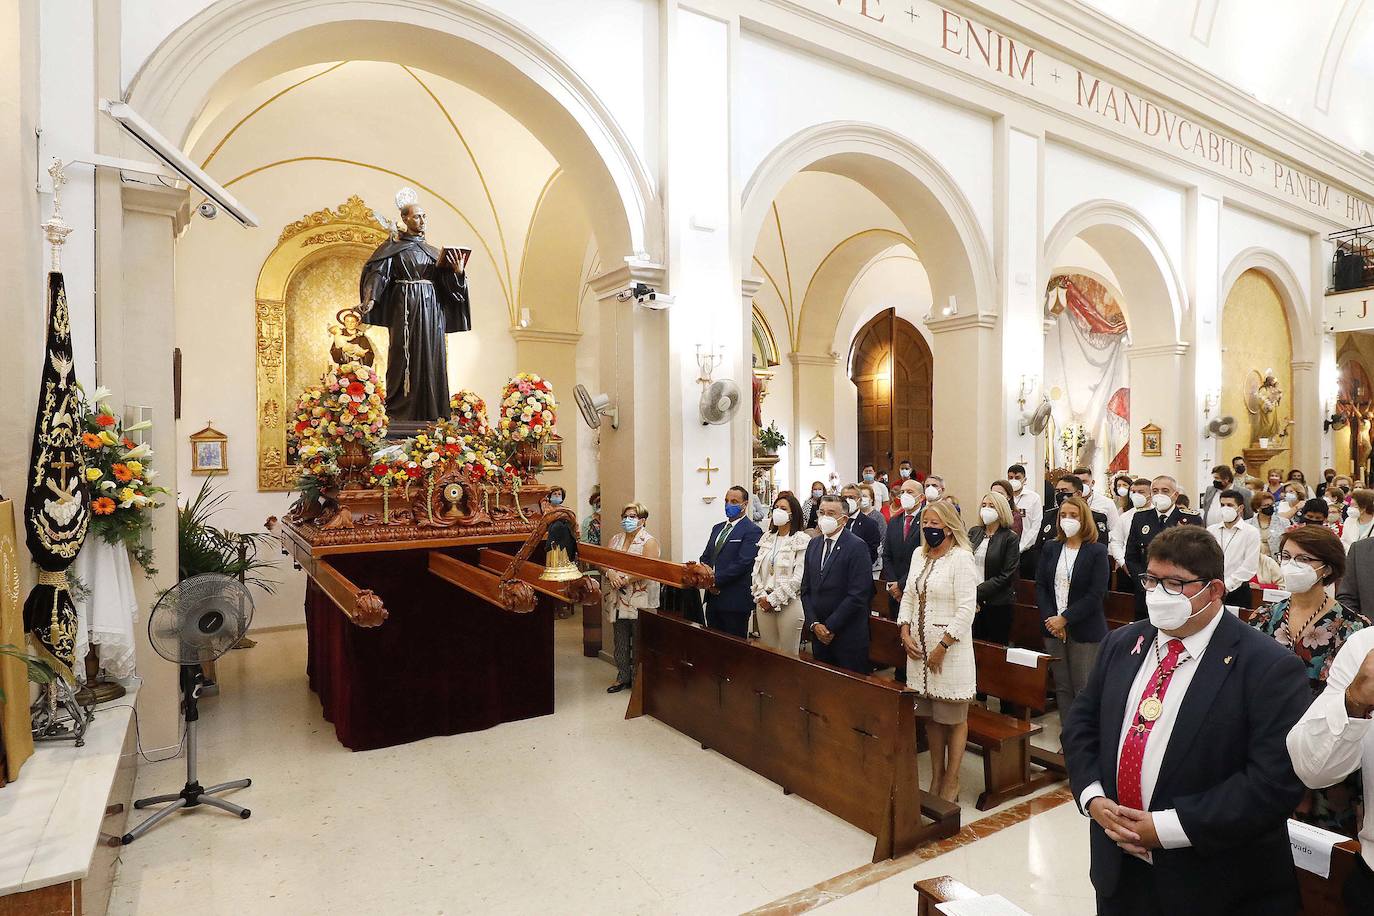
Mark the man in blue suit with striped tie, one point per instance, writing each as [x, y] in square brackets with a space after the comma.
[730, 553]
[837, 586]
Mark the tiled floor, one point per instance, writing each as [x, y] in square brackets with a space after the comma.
[579, 812]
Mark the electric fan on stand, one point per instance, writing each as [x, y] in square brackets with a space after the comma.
[195, 622]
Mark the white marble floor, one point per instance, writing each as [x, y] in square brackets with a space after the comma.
[578, 812]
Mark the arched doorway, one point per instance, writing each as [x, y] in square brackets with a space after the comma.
[893, 369]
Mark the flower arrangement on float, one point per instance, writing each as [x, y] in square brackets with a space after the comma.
[120, 475]
[469, 413]
[529, 411]
[352, 405]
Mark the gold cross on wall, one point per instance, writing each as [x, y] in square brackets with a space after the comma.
[708, 470]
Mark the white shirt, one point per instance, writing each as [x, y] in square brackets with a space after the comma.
[1100, 502]
[1167, 825]
[1327, 745]
[880, 492]
[1355, 530]
[1029, 503]
[980, 558]
[1117, 534]
[1240, 543]
[1063, 577]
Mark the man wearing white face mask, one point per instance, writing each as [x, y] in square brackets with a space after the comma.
[903, 537]
[1031, 508]
[1139, 495]
[1162, 515]
[1177, 749]
[1098, 502]
[836, 589]
[1240, 545]
[859, 522]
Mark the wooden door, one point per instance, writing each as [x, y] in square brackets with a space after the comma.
[892, 368]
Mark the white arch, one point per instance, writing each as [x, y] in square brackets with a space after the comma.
[1122, 236]
[240, 42]
[1281, 274]
[907, 179]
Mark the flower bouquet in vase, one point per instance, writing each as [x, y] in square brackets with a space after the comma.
[529, 415]
[468, 412]
[353, 418]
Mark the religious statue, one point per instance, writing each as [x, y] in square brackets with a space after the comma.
[1263, 402]
[420, 294]
[348, 342]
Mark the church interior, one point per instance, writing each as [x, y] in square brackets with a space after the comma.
[452, 422]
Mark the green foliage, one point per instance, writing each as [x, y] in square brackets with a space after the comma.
[205, 548]
[40, 672]
[772, 438]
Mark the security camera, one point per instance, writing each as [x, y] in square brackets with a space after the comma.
[208, 210]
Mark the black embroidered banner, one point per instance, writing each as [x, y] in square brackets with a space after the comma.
[57, 505]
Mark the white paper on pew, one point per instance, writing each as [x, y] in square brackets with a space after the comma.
[1271, 595]
[1026, 658]
[1312, 847]
[991, 905]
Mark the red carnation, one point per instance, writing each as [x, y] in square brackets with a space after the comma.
[356, 389]
[378, 470]
[302, 426]
[412, 472]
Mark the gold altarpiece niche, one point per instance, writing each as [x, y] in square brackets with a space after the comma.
[307, 280]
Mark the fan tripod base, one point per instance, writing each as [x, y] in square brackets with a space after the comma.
[190, 797]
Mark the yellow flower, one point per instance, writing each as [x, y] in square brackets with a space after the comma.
[126, 494]
[92, 474]
[135, 466]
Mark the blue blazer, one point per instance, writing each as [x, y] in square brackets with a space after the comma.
[734, 567]
[869, 532]
[1225, 770]
[838, 596]
[1087, 589]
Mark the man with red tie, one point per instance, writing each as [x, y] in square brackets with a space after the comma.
[1177, 749]
[903, 537]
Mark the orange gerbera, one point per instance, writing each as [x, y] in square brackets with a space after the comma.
[90, 440]
[104, 419]
[122, 473]
[103, 505]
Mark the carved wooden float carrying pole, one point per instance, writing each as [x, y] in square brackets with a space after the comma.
[680, 575]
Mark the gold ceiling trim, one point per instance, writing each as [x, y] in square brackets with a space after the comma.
[529, 231]
[897, 236]
[348, 229]
[786, 267]
[244, 120]
[505, 292]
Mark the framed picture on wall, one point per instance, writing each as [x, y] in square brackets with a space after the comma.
[209, 452]
[553, 453]
[817, 450]
[1151, 441]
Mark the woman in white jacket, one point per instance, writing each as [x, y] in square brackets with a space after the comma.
[624, 595]
[778, 574]
[936, 621]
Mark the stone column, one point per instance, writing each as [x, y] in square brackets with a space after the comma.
[1160, 390]
[1308, 446]
[813, 411]
[138, 335]
[967, 418]
[553, 354]
[635, 460]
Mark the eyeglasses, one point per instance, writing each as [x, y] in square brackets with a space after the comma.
[1170, 584]
[1284, 556]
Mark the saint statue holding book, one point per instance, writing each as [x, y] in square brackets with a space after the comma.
[419, 293]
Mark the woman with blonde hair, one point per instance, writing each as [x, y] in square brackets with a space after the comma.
[624, 595]
[1070, 588]
[936, 621]
[996, 559]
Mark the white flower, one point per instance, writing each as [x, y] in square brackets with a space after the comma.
[149, 474]
[146, 424]
[101, 394]
[107, 485]
[138, 453]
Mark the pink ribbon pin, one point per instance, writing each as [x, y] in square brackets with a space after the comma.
[1139, 641]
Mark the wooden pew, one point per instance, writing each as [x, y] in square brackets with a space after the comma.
[1322, 896]
[1003, 741]
[844, 742]
[944, 889]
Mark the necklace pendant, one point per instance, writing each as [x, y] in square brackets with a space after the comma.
[1151, 708]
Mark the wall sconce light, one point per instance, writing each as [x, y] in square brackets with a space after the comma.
[524, 318]
[1211, 401]
[951, 309]
[1027, 388]
[707, 363]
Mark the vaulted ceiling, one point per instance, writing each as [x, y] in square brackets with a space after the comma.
[1312, 61]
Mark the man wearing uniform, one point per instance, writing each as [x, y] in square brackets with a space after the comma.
[1064, 487]
[1162, 514]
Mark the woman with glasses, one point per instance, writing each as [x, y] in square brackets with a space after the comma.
[1070, 587]
[1314, 626]
[625, 595]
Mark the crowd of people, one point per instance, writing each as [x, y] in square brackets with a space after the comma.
[1286, 684]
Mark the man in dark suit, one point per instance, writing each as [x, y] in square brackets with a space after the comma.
[1161, 515]
[730, 552]
[1356, 589]
[1177, 749]
[903, 537]
[836, 588]
[1064, 487]
[860, 524]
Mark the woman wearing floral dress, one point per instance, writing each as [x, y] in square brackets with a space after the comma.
[1315, 626]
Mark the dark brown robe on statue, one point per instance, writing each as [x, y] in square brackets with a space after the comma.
[419, 301]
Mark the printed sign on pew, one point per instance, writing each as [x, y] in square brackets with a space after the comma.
[941, 34]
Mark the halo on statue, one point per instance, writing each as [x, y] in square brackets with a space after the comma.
[1253, 381]
[340, 315]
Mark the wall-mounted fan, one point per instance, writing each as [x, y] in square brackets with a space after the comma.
[1337, 421]
[595, 406]
[1220, 428]
[1036, 421]
[719, 401]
